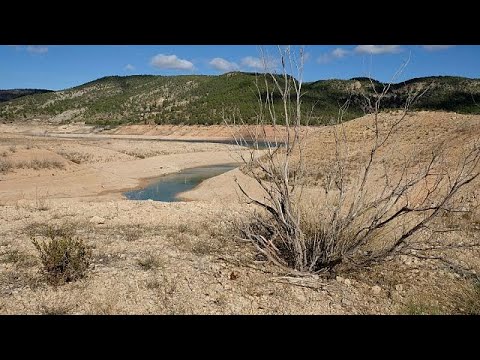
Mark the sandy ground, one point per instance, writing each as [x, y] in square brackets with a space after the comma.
[183, 258]
[99, 169]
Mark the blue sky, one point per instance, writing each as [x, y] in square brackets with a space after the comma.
[63, 66]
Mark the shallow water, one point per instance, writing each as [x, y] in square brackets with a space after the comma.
[167, 187]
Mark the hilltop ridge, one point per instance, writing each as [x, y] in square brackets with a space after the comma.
[206, 99]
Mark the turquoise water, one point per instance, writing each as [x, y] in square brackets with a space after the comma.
[167, 187]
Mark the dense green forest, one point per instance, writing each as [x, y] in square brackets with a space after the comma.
[204, 99]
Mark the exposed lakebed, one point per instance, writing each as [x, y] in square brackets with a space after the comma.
[167, 187]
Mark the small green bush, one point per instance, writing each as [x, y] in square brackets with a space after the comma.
[64, 258]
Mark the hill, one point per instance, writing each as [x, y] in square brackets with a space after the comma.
[204, 99]
[6, 95]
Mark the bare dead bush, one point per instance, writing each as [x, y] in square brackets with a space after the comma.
[359, 219]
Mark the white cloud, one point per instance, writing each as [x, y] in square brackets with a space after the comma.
[162, 61]
[436, 47]
[129, 67]
[37, 49]
[255, 63]
[337, 53]
[223, 65]
[340, 53]
[378, 49]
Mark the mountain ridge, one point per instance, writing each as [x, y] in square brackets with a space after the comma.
[208, 99]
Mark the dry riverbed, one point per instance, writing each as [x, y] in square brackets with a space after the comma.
[177, 258]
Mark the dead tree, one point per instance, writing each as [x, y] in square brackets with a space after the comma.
[354, 222]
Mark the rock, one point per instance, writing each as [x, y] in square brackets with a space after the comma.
[347, 302]
[399, 287]
[97, 220]
[339, 279]
[300, 296]
[337, 306]
[376, 289]
[347, 282]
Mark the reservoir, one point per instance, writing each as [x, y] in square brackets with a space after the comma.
[167, 187]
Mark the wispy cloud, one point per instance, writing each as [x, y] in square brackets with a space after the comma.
[255, 63]
[378, 49]
[252, 62]
[37, 49]
[129, 67]
[171, 62]
[436, 47]
[337, 53]
[340, 53]
[32, 49]
[223, 65]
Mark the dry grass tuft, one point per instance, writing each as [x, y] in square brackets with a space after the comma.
[462, 298]
[5, 166]
[38, 164]
[149, 262]
[54, 309]
[18, 258]
[75, 157]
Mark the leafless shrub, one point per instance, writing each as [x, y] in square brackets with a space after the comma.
[12, 148]
[359, 220]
